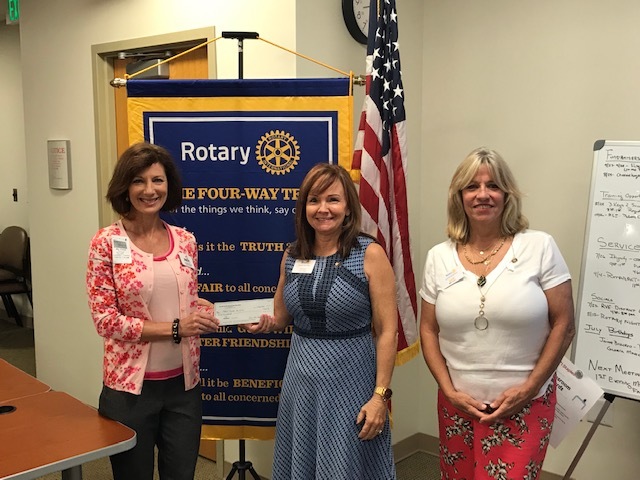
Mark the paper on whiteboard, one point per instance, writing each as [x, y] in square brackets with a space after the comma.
[576, 394]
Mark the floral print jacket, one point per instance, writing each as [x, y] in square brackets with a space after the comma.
[118, 298]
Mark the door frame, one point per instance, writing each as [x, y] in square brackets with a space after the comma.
[103, 98]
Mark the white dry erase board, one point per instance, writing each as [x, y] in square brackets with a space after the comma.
[607, 344]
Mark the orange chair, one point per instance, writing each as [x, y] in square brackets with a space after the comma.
[15, 268]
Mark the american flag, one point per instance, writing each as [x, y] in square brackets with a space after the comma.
[381, 156]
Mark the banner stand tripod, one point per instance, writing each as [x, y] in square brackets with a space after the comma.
[242, 465]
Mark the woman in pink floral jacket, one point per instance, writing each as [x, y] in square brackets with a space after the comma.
[143, 295]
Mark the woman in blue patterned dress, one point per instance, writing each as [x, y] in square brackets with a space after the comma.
[337, 287]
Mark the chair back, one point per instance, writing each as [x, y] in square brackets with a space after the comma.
[14, 251]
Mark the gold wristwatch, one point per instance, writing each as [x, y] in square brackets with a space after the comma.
[384, 392]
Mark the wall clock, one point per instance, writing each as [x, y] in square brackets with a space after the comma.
[356, 18]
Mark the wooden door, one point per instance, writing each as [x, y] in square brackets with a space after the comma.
[193, 65]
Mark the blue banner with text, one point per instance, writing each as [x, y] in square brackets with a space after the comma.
[242, 160]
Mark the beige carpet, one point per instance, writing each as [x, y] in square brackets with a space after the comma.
[419, 466]
[101, 470]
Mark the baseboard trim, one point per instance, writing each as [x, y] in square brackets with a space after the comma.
[418, 442]
[421, 442]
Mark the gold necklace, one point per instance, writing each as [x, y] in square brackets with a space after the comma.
[481, 250]
[486, 260]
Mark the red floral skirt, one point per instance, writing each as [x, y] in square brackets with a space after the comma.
[512, 448]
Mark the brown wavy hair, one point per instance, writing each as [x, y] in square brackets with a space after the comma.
[317, 180]
[134, 160]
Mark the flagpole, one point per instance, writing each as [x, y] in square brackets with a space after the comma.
[380, 165]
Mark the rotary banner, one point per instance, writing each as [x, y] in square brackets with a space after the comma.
[243, 148]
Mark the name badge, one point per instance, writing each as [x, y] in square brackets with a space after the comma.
[120, 249]
[187, 261]
[303, 266]
[454, 276]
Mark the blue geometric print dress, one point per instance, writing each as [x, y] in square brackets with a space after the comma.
[330, 374]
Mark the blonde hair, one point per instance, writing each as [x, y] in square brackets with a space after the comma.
[513, 221]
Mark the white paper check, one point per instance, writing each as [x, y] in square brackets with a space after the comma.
[242, 311]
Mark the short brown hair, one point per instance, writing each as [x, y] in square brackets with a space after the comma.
[134, 160]
[513, 220]
[324, 175]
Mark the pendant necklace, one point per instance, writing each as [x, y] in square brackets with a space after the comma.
[481, 322]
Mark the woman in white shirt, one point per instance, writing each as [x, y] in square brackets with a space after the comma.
[497, 317]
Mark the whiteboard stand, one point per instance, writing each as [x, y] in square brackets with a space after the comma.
[608, 307]
[609, 398]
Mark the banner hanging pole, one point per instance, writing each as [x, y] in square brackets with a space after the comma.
[242, 465]
[241, 36]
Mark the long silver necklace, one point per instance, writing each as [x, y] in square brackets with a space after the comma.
[481, 322]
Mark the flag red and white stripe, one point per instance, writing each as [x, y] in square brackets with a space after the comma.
[381, 157]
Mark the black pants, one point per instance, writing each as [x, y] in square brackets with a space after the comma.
[163, 415]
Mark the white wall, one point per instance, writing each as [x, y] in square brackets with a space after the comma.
[539, 81]
[58, 101]
[59, 104]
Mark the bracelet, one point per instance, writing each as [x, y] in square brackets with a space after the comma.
[175, 331]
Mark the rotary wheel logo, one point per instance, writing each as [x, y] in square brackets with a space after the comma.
[277, 152]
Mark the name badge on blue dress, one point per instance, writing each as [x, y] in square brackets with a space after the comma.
[303, 266]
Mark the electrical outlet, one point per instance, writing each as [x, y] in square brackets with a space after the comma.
[595, 410]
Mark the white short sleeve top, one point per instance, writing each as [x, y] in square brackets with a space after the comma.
[484, 363]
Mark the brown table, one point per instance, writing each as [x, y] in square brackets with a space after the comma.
[14, 383]
[52, 431]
